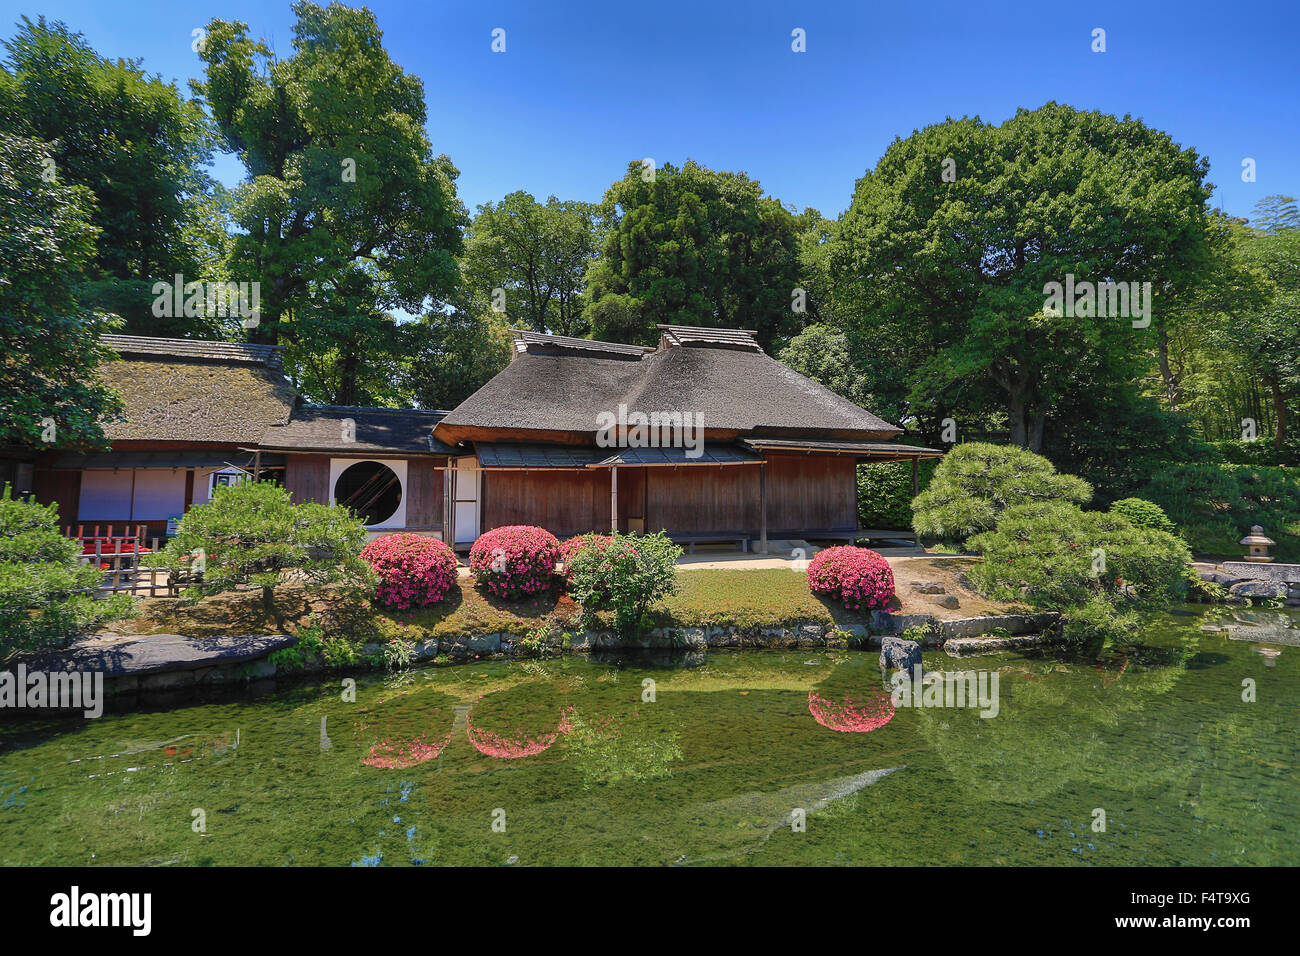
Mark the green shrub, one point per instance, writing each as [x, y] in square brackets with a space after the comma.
[1058, 556]
[46, 594]
[885, 492]
[1144, 514]
[625, 574]
[1214, 506]
[253, 534]
[976, 482]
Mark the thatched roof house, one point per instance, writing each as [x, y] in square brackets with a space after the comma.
[704, 436]
[200, 414]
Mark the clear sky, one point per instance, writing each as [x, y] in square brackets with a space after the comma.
[584, 87]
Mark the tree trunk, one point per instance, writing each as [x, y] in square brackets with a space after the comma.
[347, 390]
[1173, 390]
[1279, 415]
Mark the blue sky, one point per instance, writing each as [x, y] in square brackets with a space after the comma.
[584, 87]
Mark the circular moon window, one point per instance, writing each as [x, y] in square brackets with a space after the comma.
[371, 489]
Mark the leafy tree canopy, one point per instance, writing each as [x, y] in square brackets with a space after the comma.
[347, 215]
[51, 344]
[951, 240]
[692, 246]
[140, 147]
[537, 254]
[976, 482]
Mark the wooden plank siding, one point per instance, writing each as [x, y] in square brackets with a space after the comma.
[811, 493]
[804, 493]
[702, 499]
[307, 478]
[563, 501]
[424, 494]
[61, 487]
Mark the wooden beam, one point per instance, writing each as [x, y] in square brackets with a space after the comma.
[916, 487]
[762, 507]
[613, 498]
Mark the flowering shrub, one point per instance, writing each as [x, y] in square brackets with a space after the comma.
[514, 561]
[850, 715]
[571, 546]
[413, 570]
[857, 577]
[625, 574]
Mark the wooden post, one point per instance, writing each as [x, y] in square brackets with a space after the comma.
[450, 531]
[762, 506]
[257, 465]
[613, 498]
[916, 486]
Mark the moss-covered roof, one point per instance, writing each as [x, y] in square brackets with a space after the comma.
[169, 398]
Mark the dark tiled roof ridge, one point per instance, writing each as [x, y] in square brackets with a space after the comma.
[526, 337]
[189, 349]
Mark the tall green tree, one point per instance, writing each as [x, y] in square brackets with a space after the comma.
[1267, 336]
[537, 254]
[141, 147]
[951, 241]
[455, 354]
[49, 343]
[347, 216]
[695, 247]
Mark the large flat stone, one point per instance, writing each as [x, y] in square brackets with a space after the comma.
[1263, 571]
[961, 646]
[1011, 623]
[155, 653]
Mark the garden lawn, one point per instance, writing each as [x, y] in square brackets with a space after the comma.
[759, 598]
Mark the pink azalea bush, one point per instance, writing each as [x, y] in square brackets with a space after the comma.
[859, 578]
[414, 570]
[515, 561]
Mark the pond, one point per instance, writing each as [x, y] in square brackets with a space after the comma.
[734, 758]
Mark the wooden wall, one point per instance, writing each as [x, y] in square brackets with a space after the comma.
[702, 498]
[59, 486]
[423, 494]
[804, 493]
[307, 478]
[811, 493]
[565, 502]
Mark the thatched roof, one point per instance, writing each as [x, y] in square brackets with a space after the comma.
[552, 387]
[322, 428]
[177, 397]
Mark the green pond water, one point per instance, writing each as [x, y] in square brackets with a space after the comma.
[425, 767]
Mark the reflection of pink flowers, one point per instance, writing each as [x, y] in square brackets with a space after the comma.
[849, 715]
[510, 748]
[400, 754]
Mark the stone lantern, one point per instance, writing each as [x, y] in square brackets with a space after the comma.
[1257, 545]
